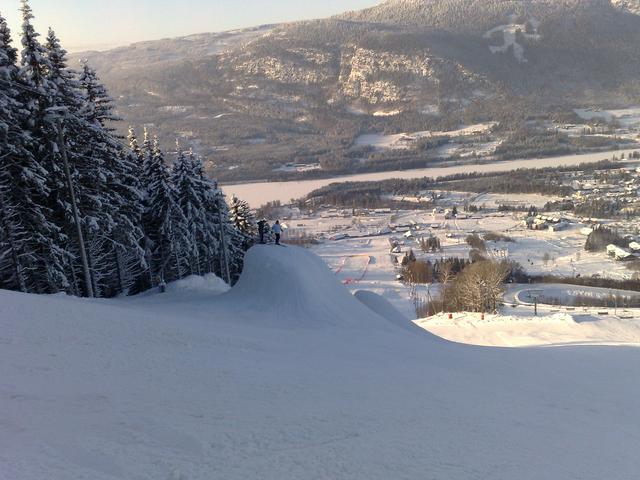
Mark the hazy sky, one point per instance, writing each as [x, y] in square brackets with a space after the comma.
[85, 24]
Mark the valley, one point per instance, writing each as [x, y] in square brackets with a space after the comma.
[384, 88]
[260, 193]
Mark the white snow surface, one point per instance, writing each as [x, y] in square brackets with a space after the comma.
[627, 117]
[384, 308]
[288, 376]
[407, 140]
[523, 329]
[208, 284]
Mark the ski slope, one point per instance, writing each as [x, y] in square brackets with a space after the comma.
[289, 376]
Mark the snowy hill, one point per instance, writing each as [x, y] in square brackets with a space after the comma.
[287, 376]
[296, 289]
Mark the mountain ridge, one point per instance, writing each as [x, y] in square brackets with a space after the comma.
[257, 100]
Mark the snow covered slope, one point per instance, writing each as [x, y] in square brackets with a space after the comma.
[523, 329]
[291, 287]
[286, 377]
[384, 308]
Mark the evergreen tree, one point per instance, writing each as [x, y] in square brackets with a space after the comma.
[191, 202]
[14, 158]
[135, 150]
[242, 217]
[232, 242]
[225, 245]
[146, 154]
[145, 158]
[211, 245]
[164, 222]
[87, 150]
[120, 195]
[99, 106]
[66, 93]
[49, 257]
[238, 244]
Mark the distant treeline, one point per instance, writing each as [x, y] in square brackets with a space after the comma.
[528, 142]
[546, 181]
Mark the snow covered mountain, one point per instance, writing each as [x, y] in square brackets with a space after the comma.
[289, 376]
[255, 100]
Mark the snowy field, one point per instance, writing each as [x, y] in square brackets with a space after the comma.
[288, 376]
[259, 193]
[627, 117]
[407, 140]
[362, 261]
[550, 328]
[517, 325]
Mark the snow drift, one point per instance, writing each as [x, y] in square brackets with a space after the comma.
[208, 284]
[277, 379]
[291, 286]
[381, 306]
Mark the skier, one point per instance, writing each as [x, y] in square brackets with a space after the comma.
[261, 228]
[277, 229]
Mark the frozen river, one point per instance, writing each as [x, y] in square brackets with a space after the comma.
[260, 193]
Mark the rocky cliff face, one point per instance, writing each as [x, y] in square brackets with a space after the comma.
[306, 66]
[363, 73]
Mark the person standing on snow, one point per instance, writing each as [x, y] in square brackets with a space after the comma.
[261, 228]
[277, 229]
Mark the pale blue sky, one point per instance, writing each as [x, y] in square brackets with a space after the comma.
[85, 24]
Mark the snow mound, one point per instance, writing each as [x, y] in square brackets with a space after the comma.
[206, 284]
[291, 285]
[381, 306]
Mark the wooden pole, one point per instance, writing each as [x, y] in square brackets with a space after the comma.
[223, 242]
[76, 215]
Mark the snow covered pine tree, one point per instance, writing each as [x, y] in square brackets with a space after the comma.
[121, 196]
[34, 172]
[164, 223]
[25, 232]
[243, 219]
[81, 213]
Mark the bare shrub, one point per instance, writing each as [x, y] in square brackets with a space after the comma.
[475, 242]
[497, 237]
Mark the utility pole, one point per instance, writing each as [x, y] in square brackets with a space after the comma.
[76, 215]
[223, 242]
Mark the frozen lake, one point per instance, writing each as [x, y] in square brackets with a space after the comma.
[260, 193]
